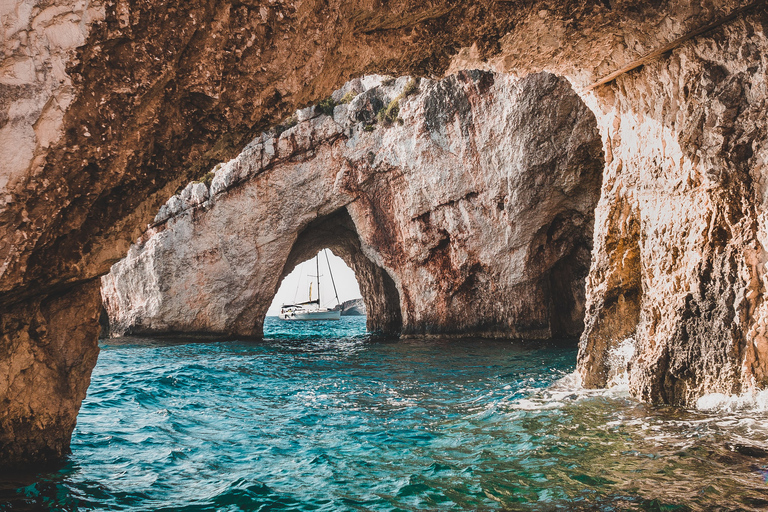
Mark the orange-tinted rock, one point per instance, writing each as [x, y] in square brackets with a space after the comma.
[679, 259]
[47, 351]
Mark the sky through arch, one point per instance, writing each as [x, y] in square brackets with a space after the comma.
[295, 286]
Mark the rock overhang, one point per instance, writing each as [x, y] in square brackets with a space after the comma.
[198, 91]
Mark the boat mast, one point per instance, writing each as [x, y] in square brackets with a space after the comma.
[317, 269]
[331, 272]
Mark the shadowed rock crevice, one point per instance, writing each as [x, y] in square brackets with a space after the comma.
[566, 282]
[337, 232]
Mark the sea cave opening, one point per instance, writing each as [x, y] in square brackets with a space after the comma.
[360, 277]
[468, 206]
[325, 281]
[490, 239]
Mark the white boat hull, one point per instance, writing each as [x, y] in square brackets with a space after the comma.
[310, 315]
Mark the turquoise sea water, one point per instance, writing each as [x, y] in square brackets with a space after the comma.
[323, 417]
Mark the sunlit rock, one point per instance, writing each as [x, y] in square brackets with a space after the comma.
[473, 195]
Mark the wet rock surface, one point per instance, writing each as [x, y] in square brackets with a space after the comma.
[474, 201]
[45, 368]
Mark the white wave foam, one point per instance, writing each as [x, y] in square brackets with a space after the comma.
[569, 388]
[618, 375]
[618, 364]
[536, 404]
[756, 401]
[565, 390]
[570, 382]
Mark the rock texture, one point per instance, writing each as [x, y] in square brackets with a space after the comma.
[680, 235]
[107, 109]
[101, 100]
[680, 261]
[45, 368]
[353, 307]
[473, 202]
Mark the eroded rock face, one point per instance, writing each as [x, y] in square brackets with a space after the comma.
[681, 227]
[679, 258]
[45, 368]
[103, 104]
[475, 201]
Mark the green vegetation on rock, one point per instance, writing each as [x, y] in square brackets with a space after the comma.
[326, 106]
[208, 178]
[348, 97]
[287, 124]
[390, 113]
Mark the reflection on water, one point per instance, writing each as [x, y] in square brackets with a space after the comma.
[337, 421]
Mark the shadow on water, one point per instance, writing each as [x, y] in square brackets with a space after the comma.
[342, 420]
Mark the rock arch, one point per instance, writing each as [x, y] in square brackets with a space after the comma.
[337, 232]
[109, 108]
[471, 213]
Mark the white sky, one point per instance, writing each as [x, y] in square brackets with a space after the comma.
[346, 284]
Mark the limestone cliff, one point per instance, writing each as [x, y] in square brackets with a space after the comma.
[468, 200]
[680, 236]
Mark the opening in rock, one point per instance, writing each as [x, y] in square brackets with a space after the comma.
[337, 233]
[472, 215]
[569, 239]
[336, 288]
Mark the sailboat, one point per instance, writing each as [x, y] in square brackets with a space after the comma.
[311, 309]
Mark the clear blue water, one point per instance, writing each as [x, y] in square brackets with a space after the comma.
[322, 417]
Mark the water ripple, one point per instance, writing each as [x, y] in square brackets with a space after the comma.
[328, 420]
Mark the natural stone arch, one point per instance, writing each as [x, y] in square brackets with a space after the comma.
[499, 248]
[204, 79]
[337, 232]
[104, 143]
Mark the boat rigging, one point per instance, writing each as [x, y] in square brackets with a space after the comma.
[312, 309]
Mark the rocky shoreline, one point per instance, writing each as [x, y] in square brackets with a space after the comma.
[353, 307]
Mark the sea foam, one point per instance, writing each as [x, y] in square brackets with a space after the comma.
[755, 401]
